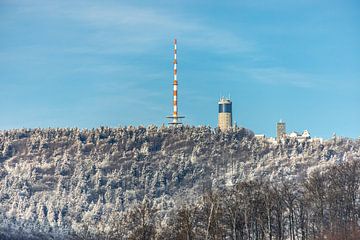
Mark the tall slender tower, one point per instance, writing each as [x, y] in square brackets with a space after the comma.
[175, 117]
[225, 114]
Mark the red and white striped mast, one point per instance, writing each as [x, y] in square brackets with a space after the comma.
[175, 117]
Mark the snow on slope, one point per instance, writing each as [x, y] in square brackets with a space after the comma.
[58, 181]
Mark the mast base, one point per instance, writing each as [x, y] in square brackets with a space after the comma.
[176, 120]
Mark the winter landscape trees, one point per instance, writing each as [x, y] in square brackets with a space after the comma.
[175, 183]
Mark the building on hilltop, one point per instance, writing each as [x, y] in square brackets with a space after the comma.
[260, 136]
[225, 114]
[280, 130]
[300, 136]
[281, 135]
[304, 137]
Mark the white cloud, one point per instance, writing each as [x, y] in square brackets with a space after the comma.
[126, 28]
[283, 76]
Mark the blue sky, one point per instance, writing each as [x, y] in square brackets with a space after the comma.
[109, 63]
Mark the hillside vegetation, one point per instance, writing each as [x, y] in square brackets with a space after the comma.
[62, 183]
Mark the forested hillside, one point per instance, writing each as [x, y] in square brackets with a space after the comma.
[146, 183]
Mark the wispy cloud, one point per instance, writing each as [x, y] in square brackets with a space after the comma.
[144, 26]
[124, 28]
[283, 76]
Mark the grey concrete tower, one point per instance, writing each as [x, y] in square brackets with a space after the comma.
[225, 114]
[280, 130]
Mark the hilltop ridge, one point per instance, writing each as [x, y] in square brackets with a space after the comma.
[60, 181]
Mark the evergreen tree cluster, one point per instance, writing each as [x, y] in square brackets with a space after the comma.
[63, 183]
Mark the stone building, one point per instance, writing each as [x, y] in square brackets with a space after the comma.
[280, 130]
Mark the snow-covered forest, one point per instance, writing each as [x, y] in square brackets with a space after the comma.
[175, 183]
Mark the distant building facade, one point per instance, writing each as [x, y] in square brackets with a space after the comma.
[225, 114]
[280, 130]
[281, 135]
[260, 136]
[300, 136]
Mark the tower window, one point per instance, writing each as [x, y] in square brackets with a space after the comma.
[225, 108]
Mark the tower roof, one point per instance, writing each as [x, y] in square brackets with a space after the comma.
[224, 100]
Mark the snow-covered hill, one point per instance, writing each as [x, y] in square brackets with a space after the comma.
[56, 182]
